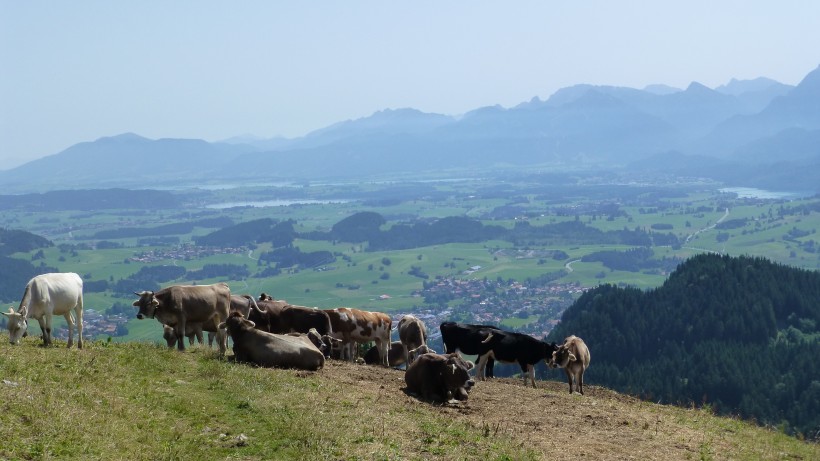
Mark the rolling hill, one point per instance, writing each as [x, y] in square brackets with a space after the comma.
[144, 402]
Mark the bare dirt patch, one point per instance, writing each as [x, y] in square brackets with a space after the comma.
[601, 424]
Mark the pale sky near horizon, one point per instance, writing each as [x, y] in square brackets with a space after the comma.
[76, 71]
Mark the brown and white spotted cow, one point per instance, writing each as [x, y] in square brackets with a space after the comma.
[356, 326]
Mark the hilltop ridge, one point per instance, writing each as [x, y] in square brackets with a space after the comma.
[141, 401]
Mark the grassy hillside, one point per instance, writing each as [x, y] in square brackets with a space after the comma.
[138, 401]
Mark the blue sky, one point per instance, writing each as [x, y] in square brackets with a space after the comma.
[76, 71]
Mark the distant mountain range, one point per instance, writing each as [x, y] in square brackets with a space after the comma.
[757, 133]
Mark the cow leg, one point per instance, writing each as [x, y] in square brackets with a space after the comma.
[384, 350]
[531, 372]
[489, 368]
[42, 323]
[407, 356]
[580, 380]
[222, 341]
[179, 331]
[47, 331]
[482, 362]
[569, 379]
[69, 320]
[78, 309]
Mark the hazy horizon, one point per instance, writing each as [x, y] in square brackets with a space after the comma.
[76, 72]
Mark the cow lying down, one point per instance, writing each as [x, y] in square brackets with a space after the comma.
[439, 377]
[271, 350]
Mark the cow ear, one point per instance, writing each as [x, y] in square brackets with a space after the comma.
[572, 357]
[136, 303]
[251, 323]
[470, 364]
[154, 301]
[9, 313]
[221, 326]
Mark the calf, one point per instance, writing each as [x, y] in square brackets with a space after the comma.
[412, 334]
[509, 347]
[573, 357]
[439, 378]
[268, 349]
[395, 355]
[469, 339]
[192, 331]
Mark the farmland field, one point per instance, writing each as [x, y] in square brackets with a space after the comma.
[694, 218]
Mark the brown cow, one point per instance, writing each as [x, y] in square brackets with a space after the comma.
[271, 350]
[356, 326]
[412, 334]
[573, 357]
[179, 305]
[439, 377]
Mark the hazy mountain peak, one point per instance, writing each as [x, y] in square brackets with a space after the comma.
[124, 137]
[736, 87]
[661, 90]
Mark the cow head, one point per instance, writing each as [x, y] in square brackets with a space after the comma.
[561, 357]
[17, 324]
[235, 322]
[456, 377]
[265, 297]
[147, 304]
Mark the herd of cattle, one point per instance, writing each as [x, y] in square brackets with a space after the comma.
[273, 333]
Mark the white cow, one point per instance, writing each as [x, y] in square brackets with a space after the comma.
[45, 296]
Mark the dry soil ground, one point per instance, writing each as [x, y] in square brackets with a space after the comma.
[601, 424]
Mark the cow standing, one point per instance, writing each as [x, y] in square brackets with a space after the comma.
[439, 378]
[412, 334]
[57, 293]
[179, 305]
[356, 326]
[510, 347]
[265, 349]
[573, 357]
[469, 339]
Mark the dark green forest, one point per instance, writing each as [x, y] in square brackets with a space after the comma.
[739, 334]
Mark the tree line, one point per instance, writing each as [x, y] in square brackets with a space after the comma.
[739, 334]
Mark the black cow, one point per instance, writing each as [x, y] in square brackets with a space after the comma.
[469, 339]
[510, 347]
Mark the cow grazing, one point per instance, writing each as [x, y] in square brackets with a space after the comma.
[439, 378]
[412, 334]
[573, 357]
[469, 339]
[509, 347]
[180, 305]
[395, 355]
[356, 326]
[271, 350]
[47, 295]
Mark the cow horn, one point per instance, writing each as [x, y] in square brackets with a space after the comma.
[255, 306]
[488, 339]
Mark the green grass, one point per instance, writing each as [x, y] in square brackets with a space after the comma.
[141, 402]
